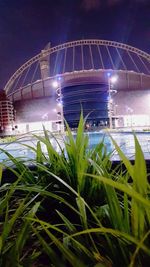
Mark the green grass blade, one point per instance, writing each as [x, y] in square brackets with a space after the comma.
[67, 253]
[118, 234]
[123, 188]
[48, 249]
[140, 185]
[24, 232]
[137, 249]
[8, 226]
[68, 224]
[126, 212]
[1, 173]
[125, 160]
[39, 153]
[82, 210]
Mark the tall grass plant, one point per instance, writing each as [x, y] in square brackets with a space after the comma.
[72, 208]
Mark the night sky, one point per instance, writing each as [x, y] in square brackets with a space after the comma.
[26, 26]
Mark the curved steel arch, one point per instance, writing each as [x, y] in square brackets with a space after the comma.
[70, 45]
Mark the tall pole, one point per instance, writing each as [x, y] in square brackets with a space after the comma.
[62, 112]
[111, 80]
[57, 85]
[109, 103]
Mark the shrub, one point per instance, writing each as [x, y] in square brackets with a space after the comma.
[73, 208]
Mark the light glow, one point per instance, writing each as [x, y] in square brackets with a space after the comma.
[113, 79]
[59, 104]
[55, 84]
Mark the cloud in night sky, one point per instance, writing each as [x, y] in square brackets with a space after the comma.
[113, 2]
[142, 1]
[89, 5]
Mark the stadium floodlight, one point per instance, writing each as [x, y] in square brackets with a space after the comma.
[60, 103]
[55, 84]
[111, 80]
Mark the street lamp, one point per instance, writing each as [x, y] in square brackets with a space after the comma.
[56, 84]
[111, 80]
[130, 112]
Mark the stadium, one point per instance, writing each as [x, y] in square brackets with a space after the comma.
[109, 81]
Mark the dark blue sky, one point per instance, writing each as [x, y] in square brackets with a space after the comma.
[26, 26]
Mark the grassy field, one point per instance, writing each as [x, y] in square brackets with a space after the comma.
[73, 208]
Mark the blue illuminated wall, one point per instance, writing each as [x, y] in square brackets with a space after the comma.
[92, 98]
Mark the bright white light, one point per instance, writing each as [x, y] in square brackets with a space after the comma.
[55, 110]
[59, 104]
[55, 84]
[45, 116]
[113, 79]
[130, 110]
[113, 91]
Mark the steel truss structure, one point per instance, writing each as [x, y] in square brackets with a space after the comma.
[81, 55]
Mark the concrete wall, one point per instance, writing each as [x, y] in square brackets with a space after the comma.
[37, 102]
[136, 102]
[36, 110]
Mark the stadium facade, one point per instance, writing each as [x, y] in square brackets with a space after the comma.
[62, 80]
